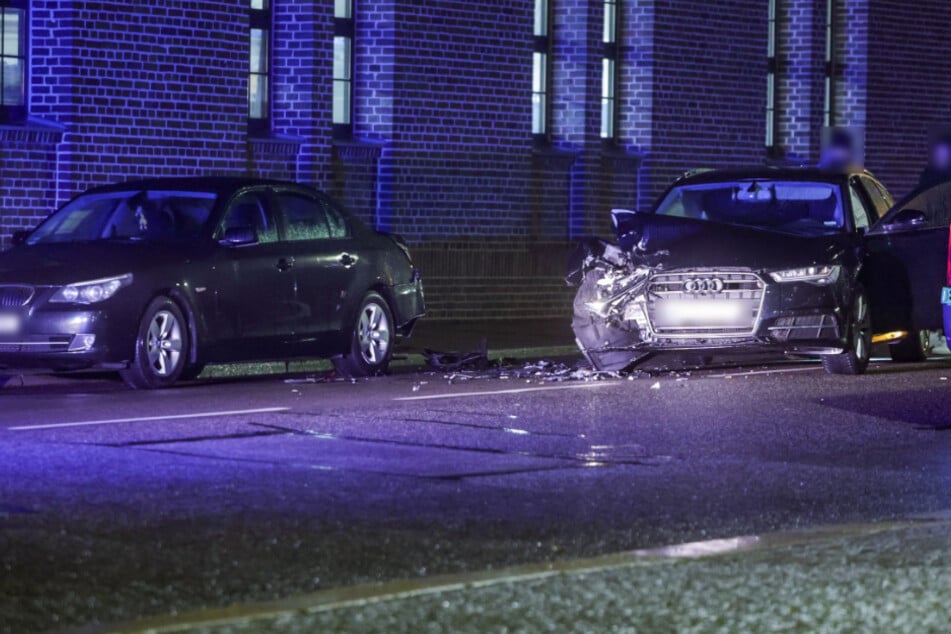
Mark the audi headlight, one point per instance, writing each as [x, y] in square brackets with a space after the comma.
[93, 291]
[813, 274]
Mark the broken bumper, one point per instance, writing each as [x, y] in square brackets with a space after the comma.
[730, 310]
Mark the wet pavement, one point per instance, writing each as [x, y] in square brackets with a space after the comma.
[117, 505]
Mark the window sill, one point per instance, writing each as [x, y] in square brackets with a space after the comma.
[617, 152]
[32, 130]
[358, 149]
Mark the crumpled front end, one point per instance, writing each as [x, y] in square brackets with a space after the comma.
[630, 304]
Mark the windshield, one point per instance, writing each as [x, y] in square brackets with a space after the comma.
[791, 206]
[154, 216]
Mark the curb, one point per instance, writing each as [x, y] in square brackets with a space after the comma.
[367, 594]
[401, 361]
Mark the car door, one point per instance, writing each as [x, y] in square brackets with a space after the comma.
[261, 295]
[326, 260]
[908, 259]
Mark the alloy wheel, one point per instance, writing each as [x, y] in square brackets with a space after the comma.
[373, 334]
[164, 343]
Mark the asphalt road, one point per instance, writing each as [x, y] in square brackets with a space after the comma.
[116, 505]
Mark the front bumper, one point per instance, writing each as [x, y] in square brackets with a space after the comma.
[795, 318]
[69, 338]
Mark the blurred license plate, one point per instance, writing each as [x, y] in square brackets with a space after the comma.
[946, 296]
[9, 324]
[700, 313]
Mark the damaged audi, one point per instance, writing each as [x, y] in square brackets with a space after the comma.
[758, 260]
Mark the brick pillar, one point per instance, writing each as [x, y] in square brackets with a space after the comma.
[576, 102]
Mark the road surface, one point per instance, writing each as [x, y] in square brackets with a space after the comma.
[116, 505]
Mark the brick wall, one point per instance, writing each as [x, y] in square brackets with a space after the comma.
[709, 86]
[442, 149]
[909, 86]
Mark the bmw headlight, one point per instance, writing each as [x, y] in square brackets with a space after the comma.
[821, 275]
[92, 291]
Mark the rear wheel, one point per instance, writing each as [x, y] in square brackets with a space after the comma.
[371, 343]
[161, 347]
[855, 359]
[914, 347]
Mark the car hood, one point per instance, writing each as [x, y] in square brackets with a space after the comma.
[698, 243]
[60, 264]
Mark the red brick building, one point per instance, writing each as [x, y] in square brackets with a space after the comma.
[490, 134]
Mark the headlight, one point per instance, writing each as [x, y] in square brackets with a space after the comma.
[813, 274]
[93, 291]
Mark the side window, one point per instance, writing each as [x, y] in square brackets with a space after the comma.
[249, 210]
[304, 217]
[935, 203]
[859, 212]
[337, 220]
[877, 196]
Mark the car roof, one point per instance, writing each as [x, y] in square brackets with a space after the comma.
[770, 173]
[216, 184]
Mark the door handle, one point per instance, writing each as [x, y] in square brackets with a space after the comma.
[347, 260]
[285, 264]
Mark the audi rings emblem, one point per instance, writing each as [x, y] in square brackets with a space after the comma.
[703, 285]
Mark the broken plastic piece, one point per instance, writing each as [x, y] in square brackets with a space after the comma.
[475, 360]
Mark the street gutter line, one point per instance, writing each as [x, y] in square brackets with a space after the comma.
[757, 372]
[145, 419]
[572, 386]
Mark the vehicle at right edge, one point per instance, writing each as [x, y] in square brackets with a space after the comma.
[801, 261]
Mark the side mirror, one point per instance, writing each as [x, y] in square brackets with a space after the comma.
[907, 219]
[19, 237]
[239, 236]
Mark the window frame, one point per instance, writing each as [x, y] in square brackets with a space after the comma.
[542, 46]
[345, 29]
[14, 114]
[609, 70]
[772, 73]
[262, 19]
[830, 70]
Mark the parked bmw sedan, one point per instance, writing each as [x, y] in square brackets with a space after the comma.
[805, 262]
[157, 278]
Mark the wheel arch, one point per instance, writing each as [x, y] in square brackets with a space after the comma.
[191, 319]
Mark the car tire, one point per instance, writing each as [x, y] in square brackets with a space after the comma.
[912, 348]
[161, 347]
[371, 340]
[856, 357]
[593, 333]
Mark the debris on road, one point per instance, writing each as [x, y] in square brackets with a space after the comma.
[475, 360]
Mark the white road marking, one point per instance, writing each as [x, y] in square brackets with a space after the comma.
[546, 388]
[756, 372]
[145, 419]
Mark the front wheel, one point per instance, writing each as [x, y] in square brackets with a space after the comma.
[371, 343]
[161, 347]
[916, 346]
[855, 358]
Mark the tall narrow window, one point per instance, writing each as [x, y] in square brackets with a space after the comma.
[771, 70]
[828, 110]
[343, 69]
[259, 89]
[13, 60]
[609, 71]
[541, 72]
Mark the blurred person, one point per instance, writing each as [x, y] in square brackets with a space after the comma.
[938, 169]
